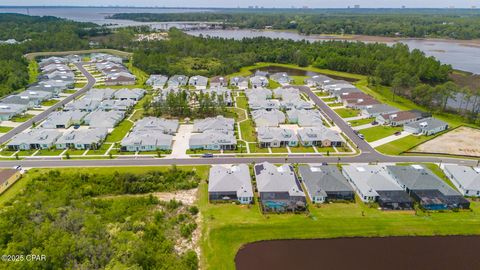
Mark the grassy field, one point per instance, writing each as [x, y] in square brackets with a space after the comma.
[379, 132]
[49, 152]
[21, 118]
[32, 71]
[248, 131]
[322, 94]
[242, 102]
[302, 149]
[401, 145]
[119, 132]
[346, 112]
[361, 122]
[50, 102]
[336, 104]
[299, 80]
[254, 148]
[227, 227]
[329, 99]
[5, 129]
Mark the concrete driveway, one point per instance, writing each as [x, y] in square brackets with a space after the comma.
[181, 142]
[389, 139]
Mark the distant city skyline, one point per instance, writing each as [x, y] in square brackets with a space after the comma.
[254, 3]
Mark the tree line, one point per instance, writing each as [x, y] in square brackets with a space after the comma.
[393, 23]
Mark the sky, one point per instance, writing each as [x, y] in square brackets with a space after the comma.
[246, 3]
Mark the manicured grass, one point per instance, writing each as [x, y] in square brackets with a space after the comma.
[119, 132]
[399, 146]
[279, 150]
[71, 91]
[248, 131]
[361, 122]
[322, 94]
[379, 132]
[241, 149]
[49, 152]
[236, 113]
[32, 71]
[329, 99]
[347, 112]
[336, 104]
[330, 150]
[226, 227]
[74, 152]
[273, 84]
[137, 115]
[302, 149]
[242, 102]
[299, 80]
[80, 85]
[254, 148]
[201, 151]
[50, 102]
[5, 129]
[21, 118]
[103, 149]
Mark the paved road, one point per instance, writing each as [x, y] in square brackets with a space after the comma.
[40, 117]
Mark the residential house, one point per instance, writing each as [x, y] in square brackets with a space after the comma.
[116, 105]
[8, 177]
[317, 80]
[34, 139]
[305, 118]
[52, 60]
[320, 136]
[73, 58]
[374, 184]
[99, 57]
[103, 119]
[63, 84]
[466, 179]
[157, 125]
[100, 94]
[231, 183]
[325, 183]
[296, 103]
[218, 123]
[264, 118]
[120, 78]
[146, 140]
[262, 73]
[239, 82]
[61, 119]
[343, 93]
[398, 118]
[82, 139]
[263, 104]
[46, 70]
[276, 137]
[157, 81]
[9, 110]
[46, 88]
[360, 103]
[84, 104]
[259, 81]
[279, 188]
[177, 81]
[129, 94]
[431, 192]
[281, 78]
[259, 93]
[199, 82]
[428, 126]
[379, 109]
[219, 81]
[213, 140]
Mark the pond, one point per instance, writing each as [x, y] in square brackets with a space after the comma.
[392, 253]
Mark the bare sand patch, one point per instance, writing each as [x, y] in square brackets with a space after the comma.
[463, 141]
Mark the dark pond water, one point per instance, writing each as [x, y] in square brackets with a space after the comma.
[390, 253]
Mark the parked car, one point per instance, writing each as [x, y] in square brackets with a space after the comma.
[398, 133]
[76, 126]
[374, 123]
[361, 136]
[207, 155]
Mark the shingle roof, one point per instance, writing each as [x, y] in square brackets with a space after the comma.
[468, 177]
[230, 179]
[271, 178]
[322, 179]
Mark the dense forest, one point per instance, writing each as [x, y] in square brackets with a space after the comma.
[456, 26]
[81, 221]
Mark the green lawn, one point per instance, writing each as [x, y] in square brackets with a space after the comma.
[119, 132]
[273, 84]
[80, 85]
[255, 149]
[302, 149]
[336, 104]
[21, 118]
[201, 151]
[401, 145]
[49, 152]
[5, 129]
[71, 91]
[100, 151]
[322, 94]
[74, 152]
[329, 99]
[137, 115]
[227, 227]
[236, 113]
[347, 112]
[248, 131]
[361, 122]
[299, 80]
[279, 150]
[50, 102]
[379, 132]
[32, 71]
[242, 102]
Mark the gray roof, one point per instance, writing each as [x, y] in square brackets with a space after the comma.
[309, 118]
[126, 93]
[105, 57]
[178, 80]
[147, 138]
[100, 94]
[238, 80]
[320, 133]
[258, 93]
[370, 178]
[427, 124]
[416, 177]
[103, 119]
[46, 88]
[322, 179]
[467, 177]
[84, 104]
[281, 77]
[52, 60]
[118, 105]
[286, 93]
[218, 123]
[270, 134]
[271, 178]
[212, 137]
[36, 136]
[157, 80]
[83, 136]
[198, 80]
[263, 104]
[9, 108]
[60, 118]
[219, 91]
[317, 79]
[268, 118]
[235, 178]
[154, 124]
[259, 80]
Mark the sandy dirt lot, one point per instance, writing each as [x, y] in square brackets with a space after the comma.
[461, 141]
